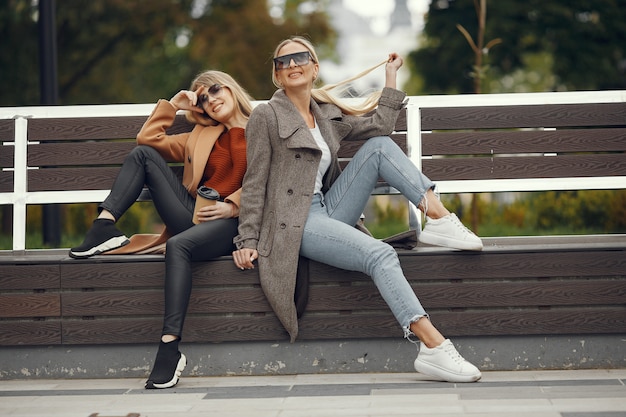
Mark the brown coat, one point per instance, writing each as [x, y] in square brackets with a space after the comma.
[191, 148]
[278, 186]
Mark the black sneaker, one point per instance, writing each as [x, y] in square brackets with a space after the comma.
[168, 366]
[103, 236]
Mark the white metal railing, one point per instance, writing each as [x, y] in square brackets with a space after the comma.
[21, 197]
[414, 142]
[414, 138]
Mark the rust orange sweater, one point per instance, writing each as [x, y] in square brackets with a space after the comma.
[226, 166]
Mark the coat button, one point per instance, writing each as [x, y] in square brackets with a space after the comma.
[189, 158]
[289, 191]
[283, 225]
[298, 156]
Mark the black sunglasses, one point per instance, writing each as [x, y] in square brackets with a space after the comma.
[213, 91]
[300, 58]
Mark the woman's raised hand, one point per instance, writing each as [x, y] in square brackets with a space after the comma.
[394, 62]
[187, 100]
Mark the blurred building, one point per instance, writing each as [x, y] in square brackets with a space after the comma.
[365, 41]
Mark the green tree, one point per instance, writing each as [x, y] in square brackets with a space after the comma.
[119, 51]
[587, 40]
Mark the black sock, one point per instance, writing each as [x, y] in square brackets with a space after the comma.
[165, 363]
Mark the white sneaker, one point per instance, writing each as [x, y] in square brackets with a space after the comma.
[444, 363]
[448, 231]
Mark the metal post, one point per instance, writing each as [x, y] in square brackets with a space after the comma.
[49, 96]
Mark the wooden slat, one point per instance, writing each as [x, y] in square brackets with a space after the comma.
[347, 326]
[522, 294]
[75, 179]
[522, 322]
[72, 179]
[93, 128]
[527, 116]
[7, 130]
[23, 332]
[473, 295]
[29, 277]
[7, 156]
[516, 264]
[197, 329]
[234, 329]
[89, 273]
[560, 166]
[574, 321]
[30, 305]
[118, 271]
[491, 264]
[82, 154]
[535, 141]
[147, 302]
[6, 181]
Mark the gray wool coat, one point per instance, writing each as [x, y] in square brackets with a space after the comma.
[278, 186]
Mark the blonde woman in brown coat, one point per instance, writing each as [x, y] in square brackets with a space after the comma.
[296, 201]
[213, 155]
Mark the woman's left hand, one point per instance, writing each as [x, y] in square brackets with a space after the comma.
[219, 210]
[394, 62]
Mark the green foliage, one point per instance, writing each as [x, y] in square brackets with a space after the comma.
[527, 214]
[119, 51]
[586, 43]
[388, 218]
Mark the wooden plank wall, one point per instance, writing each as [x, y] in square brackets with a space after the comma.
[7, 134]
[570, 286]
[530, 141]
[82, 153]
[539, 286]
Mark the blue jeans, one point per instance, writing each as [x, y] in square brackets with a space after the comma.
[331, 238]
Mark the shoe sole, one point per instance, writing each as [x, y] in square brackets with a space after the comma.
[180, 366]
[441, 374]
[113, 243]
[445, 241]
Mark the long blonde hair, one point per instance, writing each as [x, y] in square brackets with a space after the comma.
[330, 93]
[207, 79]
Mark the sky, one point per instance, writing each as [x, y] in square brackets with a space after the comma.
[359, 50]
[378, 12]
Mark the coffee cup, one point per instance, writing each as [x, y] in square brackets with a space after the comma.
[206, 196]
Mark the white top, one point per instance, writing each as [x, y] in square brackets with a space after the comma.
[324, 161]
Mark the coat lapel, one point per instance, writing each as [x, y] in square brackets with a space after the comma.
[291, 126]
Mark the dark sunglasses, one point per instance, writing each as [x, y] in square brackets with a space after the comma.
[213, 91]
[300, 58]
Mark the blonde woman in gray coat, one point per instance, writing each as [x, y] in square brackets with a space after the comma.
[297, 202]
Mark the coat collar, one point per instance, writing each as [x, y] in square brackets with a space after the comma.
[290, 121]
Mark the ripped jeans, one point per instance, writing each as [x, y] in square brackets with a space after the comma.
[331, 238]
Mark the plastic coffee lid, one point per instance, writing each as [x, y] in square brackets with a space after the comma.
[208, 192]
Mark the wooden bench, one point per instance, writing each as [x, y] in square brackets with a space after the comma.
[562, 285]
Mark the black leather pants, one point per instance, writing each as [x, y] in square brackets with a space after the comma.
[202, 242]
[144, 165]
[208, 240]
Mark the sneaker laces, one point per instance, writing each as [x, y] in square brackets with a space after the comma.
[457, 223]
[454, 354]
